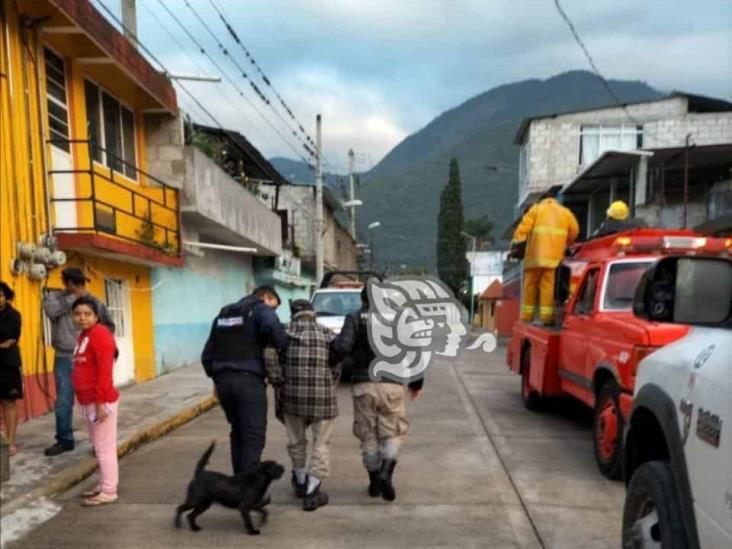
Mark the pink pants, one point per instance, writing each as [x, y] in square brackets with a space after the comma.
[103, 436]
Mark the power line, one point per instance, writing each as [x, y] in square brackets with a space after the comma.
[309, 146]
[203, 70]
[602, 78]
[261, 73]
[241, 70]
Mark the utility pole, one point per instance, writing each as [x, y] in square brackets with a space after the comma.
[129, 20]
[318, 202]
[472, 277]
[352, 191]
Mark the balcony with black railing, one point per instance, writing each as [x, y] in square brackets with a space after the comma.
[112, 207]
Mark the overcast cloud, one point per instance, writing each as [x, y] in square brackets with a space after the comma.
[380, 70]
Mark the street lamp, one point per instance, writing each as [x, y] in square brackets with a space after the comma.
[371, 227]
[472, 260]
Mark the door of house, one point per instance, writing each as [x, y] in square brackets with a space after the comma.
[118, 305]
[57, 110]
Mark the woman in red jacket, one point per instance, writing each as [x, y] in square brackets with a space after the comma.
[92, 379]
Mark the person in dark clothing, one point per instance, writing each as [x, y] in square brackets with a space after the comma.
[11, 378]
[233, 357]
[380, 420]
[618, 220]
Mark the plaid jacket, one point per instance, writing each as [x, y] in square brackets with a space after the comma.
[304, 372]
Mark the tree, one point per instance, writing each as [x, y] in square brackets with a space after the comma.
[452, 265]
[480, 227]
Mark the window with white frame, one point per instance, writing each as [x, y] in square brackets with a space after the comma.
[595, 140]
[56, 100]
[111, 127]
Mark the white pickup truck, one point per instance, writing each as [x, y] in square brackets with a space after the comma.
[678, 450]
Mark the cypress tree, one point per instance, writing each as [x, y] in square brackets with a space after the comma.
[452, 266]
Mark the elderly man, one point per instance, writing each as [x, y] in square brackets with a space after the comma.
[306, 387]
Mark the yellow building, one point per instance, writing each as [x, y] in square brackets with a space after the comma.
[83, 117]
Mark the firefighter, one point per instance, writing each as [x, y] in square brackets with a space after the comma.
[618, 220]
[545, 231]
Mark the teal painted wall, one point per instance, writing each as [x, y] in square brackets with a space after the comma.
[186, 300]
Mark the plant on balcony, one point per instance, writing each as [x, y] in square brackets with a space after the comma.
[295, 249]
[146, 234]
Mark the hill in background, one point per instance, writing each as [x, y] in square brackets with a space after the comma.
[402, 191]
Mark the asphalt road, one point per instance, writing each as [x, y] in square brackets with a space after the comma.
[478, 470]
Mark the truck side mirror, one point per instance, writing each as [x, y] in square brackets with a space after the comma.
[686, 290]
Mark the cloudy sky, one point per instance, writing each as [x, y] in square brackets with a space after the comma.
[379, 70]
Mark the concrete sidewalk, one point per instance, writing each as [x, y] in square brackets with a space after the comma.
[147, 411]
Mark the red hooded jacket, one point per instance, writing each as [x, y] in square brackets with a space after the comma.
[93, 364]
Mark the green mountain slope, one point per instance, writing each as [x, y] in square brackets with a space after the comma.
[402, 191]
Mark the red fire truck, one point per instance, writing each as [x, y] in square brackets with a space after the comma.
[593, 352]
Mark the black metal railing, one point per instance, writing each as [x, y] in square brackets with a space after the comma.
[117, 207]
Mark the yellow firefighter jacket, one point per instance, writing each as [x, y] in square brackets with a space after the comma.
[548, 227]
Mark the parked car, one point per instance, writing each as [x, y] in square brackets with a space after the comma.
[678, 446]
[593, 353]
[331, 305]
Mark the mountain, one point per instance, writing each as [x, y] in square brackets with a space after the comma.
[402, 191]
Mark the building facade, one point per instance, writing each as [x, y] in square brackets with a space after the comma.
[650, 136]
[80, 112]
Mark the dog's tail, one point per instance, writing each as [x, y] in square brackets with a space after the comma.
[201, 465]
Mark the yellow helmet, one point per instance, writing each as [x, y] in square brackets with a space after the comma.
[618, 210]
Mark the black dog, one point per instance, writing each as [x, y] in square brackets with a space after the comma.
[246, 491]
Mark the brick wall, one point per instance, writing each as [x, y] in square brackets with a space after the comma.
[164, 148]
[554, 150]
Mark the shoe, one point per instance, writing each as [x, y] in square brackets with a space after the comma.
[374, 483]
[314, 499]
[100, 499]
[57, 449]
[91, 493]
[300, 488]
[387, 488]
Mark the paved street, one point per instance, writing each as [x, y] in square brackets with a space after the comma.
[478, 471]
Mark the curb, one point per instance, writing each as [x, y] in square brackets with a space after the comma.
[77, 473]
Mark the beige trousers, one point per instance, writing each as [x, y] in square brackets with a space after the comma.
[298, 444]
[379, 420]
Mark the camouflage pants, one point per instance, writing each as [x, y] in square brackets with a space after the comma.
[379, 421]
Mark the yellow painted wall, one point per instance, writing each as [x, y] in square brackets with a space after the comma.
[138, 278]
[24, 200]
[22, 195]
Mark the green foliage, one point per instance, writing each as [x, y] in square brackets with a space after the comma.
[452, 266]
[480, 227]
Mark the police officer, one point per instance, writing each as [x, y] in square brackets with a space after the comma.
[379, 412]
[233, 358]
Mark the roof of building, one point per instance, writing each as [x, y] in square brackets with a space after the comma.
[696, 104]
[493, 291]
[619, 164]
[112, 44]
[255, 165]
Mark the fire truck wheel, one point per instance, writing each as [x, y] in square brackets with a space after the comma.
[608, 432]
[532, 400]
[652, 513]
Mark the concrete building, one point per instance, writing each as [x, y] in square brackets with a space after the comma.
[296, 204]
[633, 152]
[81, 111]
[226, 232]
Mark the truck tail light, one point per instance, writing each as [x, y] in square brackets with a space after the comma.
[639, 353]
